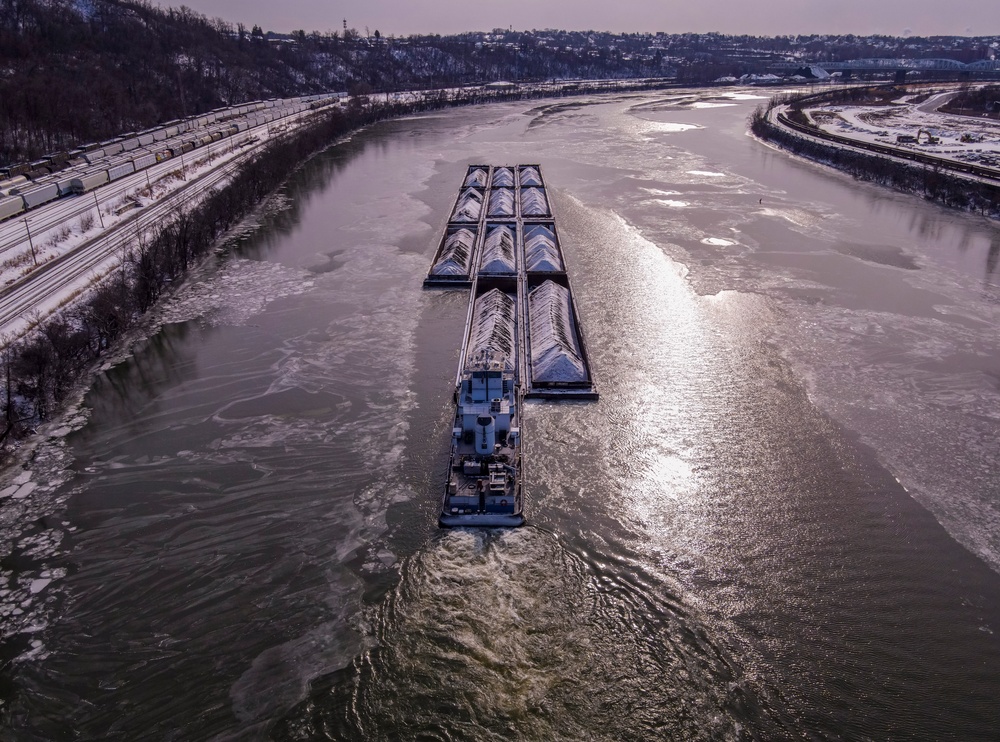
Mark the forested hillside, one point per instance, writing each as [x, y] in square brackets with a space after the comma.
[73, 71]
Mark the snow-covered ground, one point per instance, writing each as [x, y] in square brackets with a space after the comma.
[961, 138]
[70, 223]
[57, 240]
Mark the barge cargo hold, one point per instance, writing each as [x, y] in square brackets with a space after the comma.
[522, 336]
[454, 258]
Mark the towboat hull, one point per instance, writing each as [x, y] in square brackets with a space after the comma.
[481, 520]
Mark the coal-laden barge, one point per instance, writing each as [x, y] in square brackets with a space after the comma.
[522, 337]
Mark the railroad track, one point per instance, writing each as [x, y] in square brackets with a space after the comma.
[42, 292]
[62, 212]
[968, 168]
[56, 282]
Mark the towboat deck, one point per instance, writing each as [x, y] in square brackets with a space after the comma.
[483, 491]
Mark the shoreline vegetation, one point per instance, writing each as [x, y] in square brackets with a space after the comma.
[934, 183]
[42, 370]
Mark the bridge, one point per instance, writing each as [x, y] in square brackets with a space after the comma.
[898, 66]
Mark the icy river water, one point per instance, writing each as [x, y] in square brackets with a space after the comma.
[781, 520]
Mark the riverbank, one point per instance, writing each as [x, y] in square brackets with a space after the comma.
[42, 370]
[934, 183]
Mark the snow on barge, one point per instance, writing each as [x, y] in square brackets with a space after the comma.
[522, 337]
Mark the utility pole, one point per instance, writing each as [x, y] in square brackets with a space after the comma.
[30, 243]
[98, 205]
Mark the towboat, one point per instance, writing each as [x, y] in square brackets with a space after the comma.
[484, 475]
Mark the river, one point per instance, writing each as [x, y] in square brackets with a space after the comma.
[779, 521]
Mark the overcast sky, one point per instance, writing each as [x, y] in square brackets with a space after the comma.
[760, 17]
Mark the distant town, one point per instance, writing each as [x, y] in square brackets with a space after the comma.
[127, 66]
[697, 57]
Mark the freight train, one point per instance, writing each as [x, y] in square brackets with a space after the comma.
[29, 185]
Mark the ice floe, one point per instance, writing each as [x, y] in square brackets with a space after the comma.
[669, 127]
[24, 490]
[241, 289]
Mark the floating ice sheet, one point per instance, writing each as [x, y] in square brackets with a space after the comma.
[456, 253]
[555, 348]
[492, 328]
[498, 250]
[541, 254]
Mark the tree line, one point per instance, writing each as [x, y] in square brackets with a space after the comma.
[975, 100]
[79, 71]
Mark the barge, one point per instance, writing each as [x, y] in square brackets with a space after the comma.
[522, 336]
